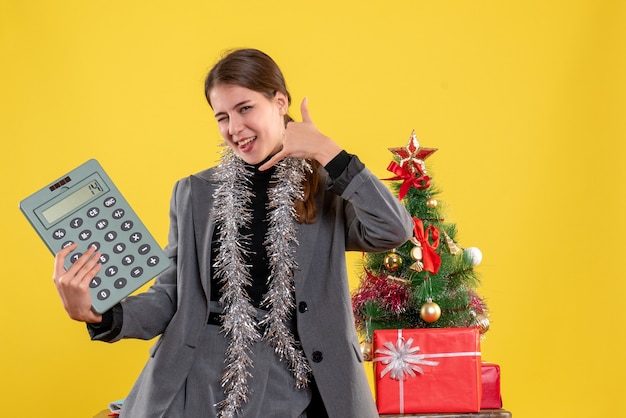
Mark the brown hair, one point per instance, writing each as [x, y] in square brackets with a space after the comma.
[257, 71]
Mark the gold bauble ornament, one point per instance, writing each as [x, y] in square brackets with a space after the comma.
[392, 261]
[482, 323]
[366, 350]
[431, 203]
[430, 311]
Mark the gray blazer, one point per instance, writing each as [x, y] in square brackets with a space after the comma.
[355, 212]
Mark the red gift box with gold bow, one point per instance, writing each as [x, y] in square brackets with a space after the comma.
[427, 370]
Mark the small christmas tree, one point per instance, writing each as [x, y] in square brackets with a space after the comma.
[429, 281]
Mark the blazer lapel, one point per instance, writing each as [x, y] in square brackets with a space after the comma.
[307, 241]
[204, 224]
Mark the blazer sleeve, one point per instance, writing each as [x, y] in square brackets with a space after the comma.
[376, 220]
[146, 315]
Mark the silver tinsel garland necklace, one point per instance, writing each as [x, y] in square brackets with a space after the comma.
[232, 212]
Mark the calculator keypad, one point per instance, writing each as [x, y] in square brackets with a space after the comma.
[85, 207]
[110, 229]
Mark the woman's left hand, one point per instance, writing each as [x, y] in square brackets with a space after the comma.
[303, 140]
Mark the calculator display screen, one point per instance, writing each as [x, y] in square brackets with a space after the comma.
[73, 201]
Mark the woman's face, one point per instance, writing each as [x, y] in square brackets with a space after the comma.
[252, 124]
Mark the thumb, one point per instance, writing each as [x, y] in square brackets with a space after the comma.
[304, 110]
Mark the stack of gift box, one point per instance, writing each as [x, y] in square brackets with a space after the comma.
[433, 370]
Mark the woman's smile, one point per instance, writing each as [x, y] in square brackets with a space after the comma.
[243, 144]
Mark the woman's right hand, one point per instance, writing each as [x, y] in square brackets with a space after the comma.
[303, 140]
[73, 284]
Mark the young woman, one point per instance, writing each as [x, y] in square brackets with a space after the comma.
[254, 314]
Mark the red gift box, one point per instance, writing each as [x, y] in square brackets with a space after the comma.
[427, 370]
[492, 397]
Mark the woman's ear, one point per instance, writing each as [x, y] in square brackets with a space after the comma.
[282, 101]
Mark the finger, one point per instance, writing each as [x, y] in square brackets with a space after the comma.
[93, 318]
[59, 261]
[304, 110]
[90, 261]
[272, 161]
[90, 269]
[81, 266]
[83, 259]
[93, 263]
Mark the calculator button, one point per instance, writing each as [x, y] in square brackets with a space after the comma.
[59, 233]
[67, 244]
[85, 235]
[95, 245]
[128, 260]
[95, 282]
[75, 257]
[109, 202]
[120, 283]
[111, 271]
[103, 294]
[93, 212]
[136, 272]
[144, 249]
[118, 214]
[110, 236]
[101, 224]
[104, 258]
[119, 248]
[76, 223]
[126, 225]
[152, 261]
[135, 237]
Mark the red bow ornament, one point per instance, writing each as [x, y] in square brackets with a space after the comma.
[418, 180]
[424, 254]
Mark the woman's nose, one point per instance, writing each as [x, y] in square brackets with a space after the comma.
[235, 125]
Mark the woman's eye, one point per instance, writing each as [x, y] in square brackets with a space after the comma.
[244, 109]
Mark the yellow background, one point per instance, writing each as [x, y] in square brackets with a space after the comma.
[525, 101]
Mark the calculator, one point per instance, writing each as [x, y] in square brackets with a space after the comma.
[84, 206]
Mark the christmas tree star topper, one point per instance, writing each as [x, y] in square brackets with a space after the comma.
[412, 156]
